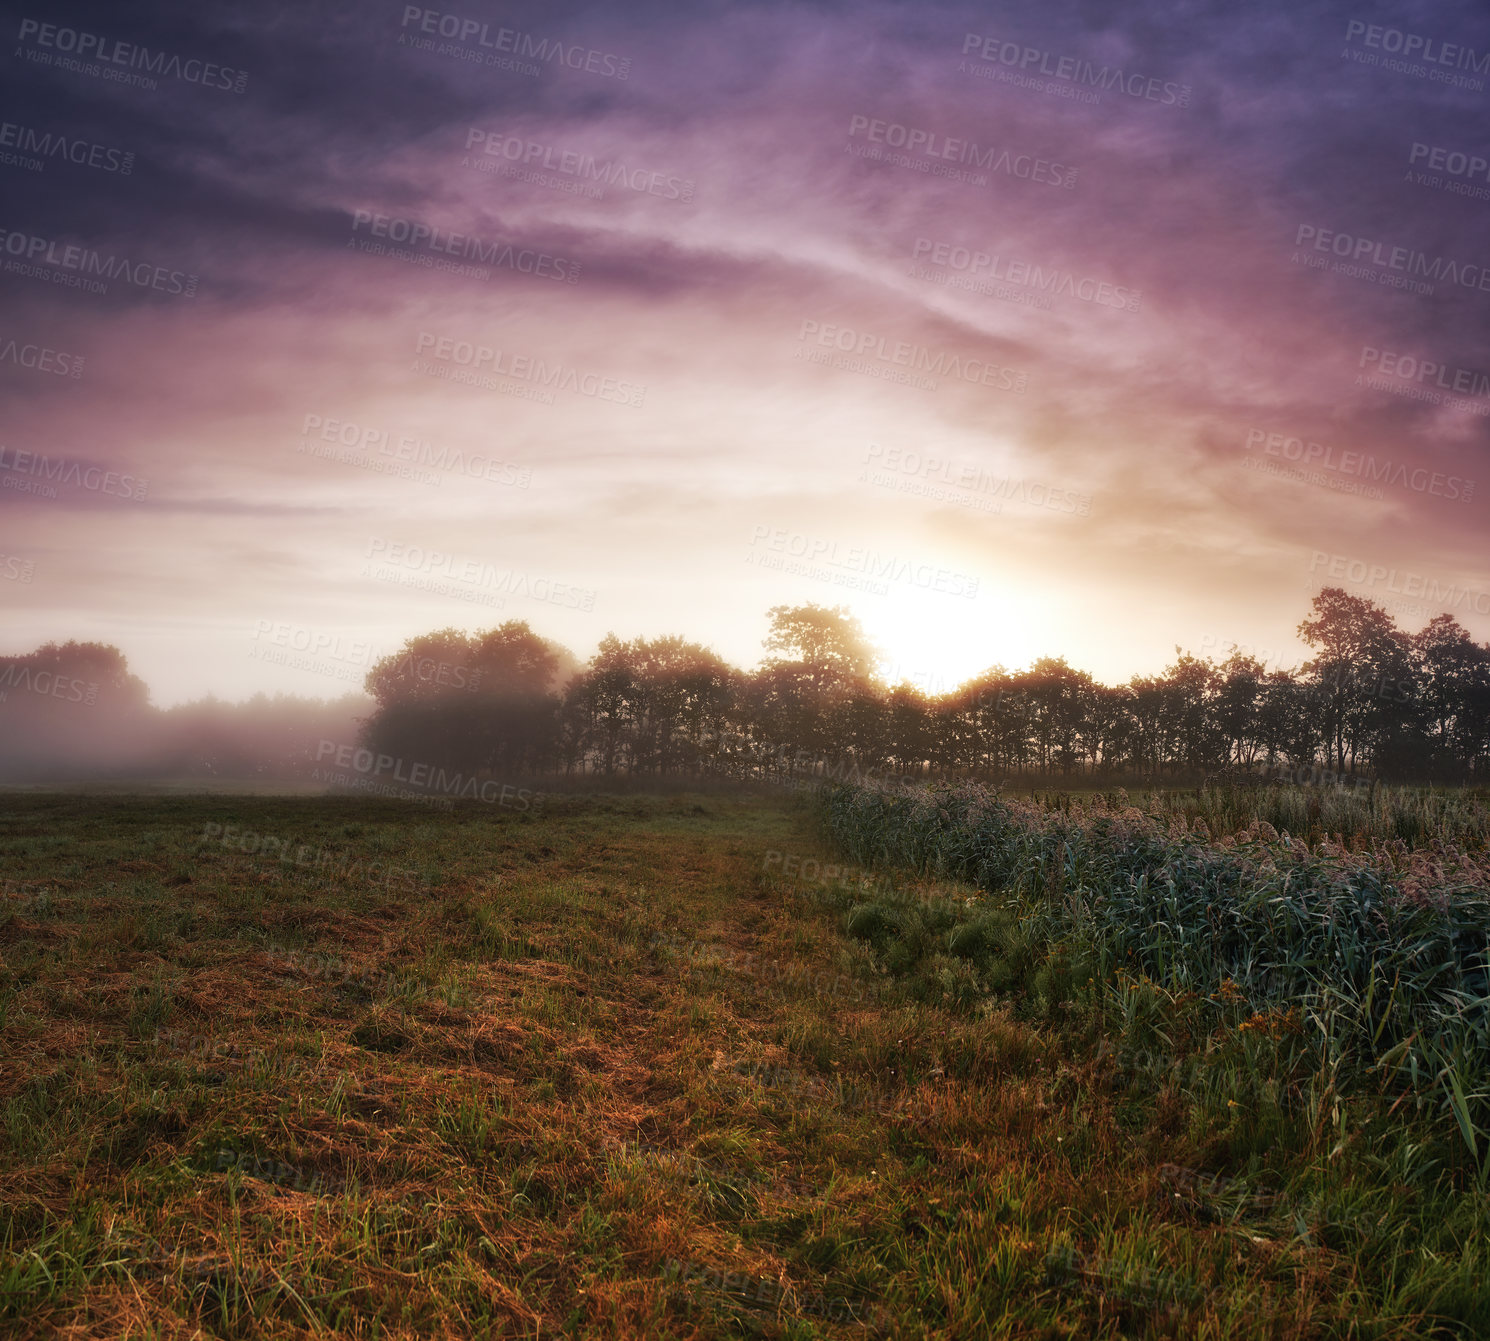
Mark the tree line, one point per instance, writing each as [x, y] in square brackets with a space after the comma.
[1372, 700]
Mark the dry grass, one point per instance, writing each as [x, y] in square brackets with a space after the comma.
[239, 1098]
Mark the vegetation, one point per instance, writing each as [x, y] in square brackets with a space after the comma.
[1379, 957]
[1372, 698]
[1372, 702]
[1352, 817]
[620, 1068]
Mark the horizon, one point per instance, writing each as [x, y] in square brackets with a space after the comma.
[326, 654]
[1073, 334]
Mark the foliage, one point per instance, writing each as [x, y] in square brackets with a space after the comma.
[1385, 950]
[1374, 702]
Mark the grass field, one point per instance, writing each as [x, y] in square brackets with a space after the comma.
[618, 1069]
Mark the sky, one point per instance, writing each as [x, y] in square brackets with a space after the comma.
[1073, 329]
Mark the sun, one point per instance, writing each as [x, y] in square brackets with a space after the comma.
[937, 642]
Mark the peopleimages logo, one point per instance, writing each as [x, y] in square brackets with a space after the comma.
[993, 267]
[930, 145]
[1031, 60]
[409, 452]
[1463, 381]
[48, 684]
[44, 259]
[526, 368]
[1357, 252]
[1452, 161]
[973, 478]
[63, 471]
[465, 31]
[1449, 170]
[1416, 46]
[92, 47]
[531, 154]
[40, 358]
[869, 564]
[428, 776]
[474, 572]
[1400, 583]
[16, 569]
[422, 235]
[1363, 464]
[914, 358]
[294, 644]
[47, 144]
[325, 861]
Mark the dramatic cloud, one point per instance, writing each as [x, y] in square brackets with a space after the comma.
[1019, 332]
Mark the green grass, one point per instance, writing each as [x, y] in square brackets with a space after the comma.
[1383, 950]
[607, 1072]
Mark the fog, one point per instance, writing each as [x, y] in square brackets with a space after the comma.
[73, 712]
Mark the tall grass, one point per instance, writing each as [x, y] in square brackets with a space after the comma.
[1353, 817]
[1385, 950]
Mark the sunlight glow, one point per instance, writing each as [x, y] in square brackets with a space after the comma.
[938, 642]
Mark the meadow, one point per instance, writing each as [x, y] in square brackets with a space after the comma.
[667, 1066]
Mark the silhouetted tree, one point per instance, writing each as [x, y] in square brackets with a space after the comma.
[1363, 660]
[508, 700]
